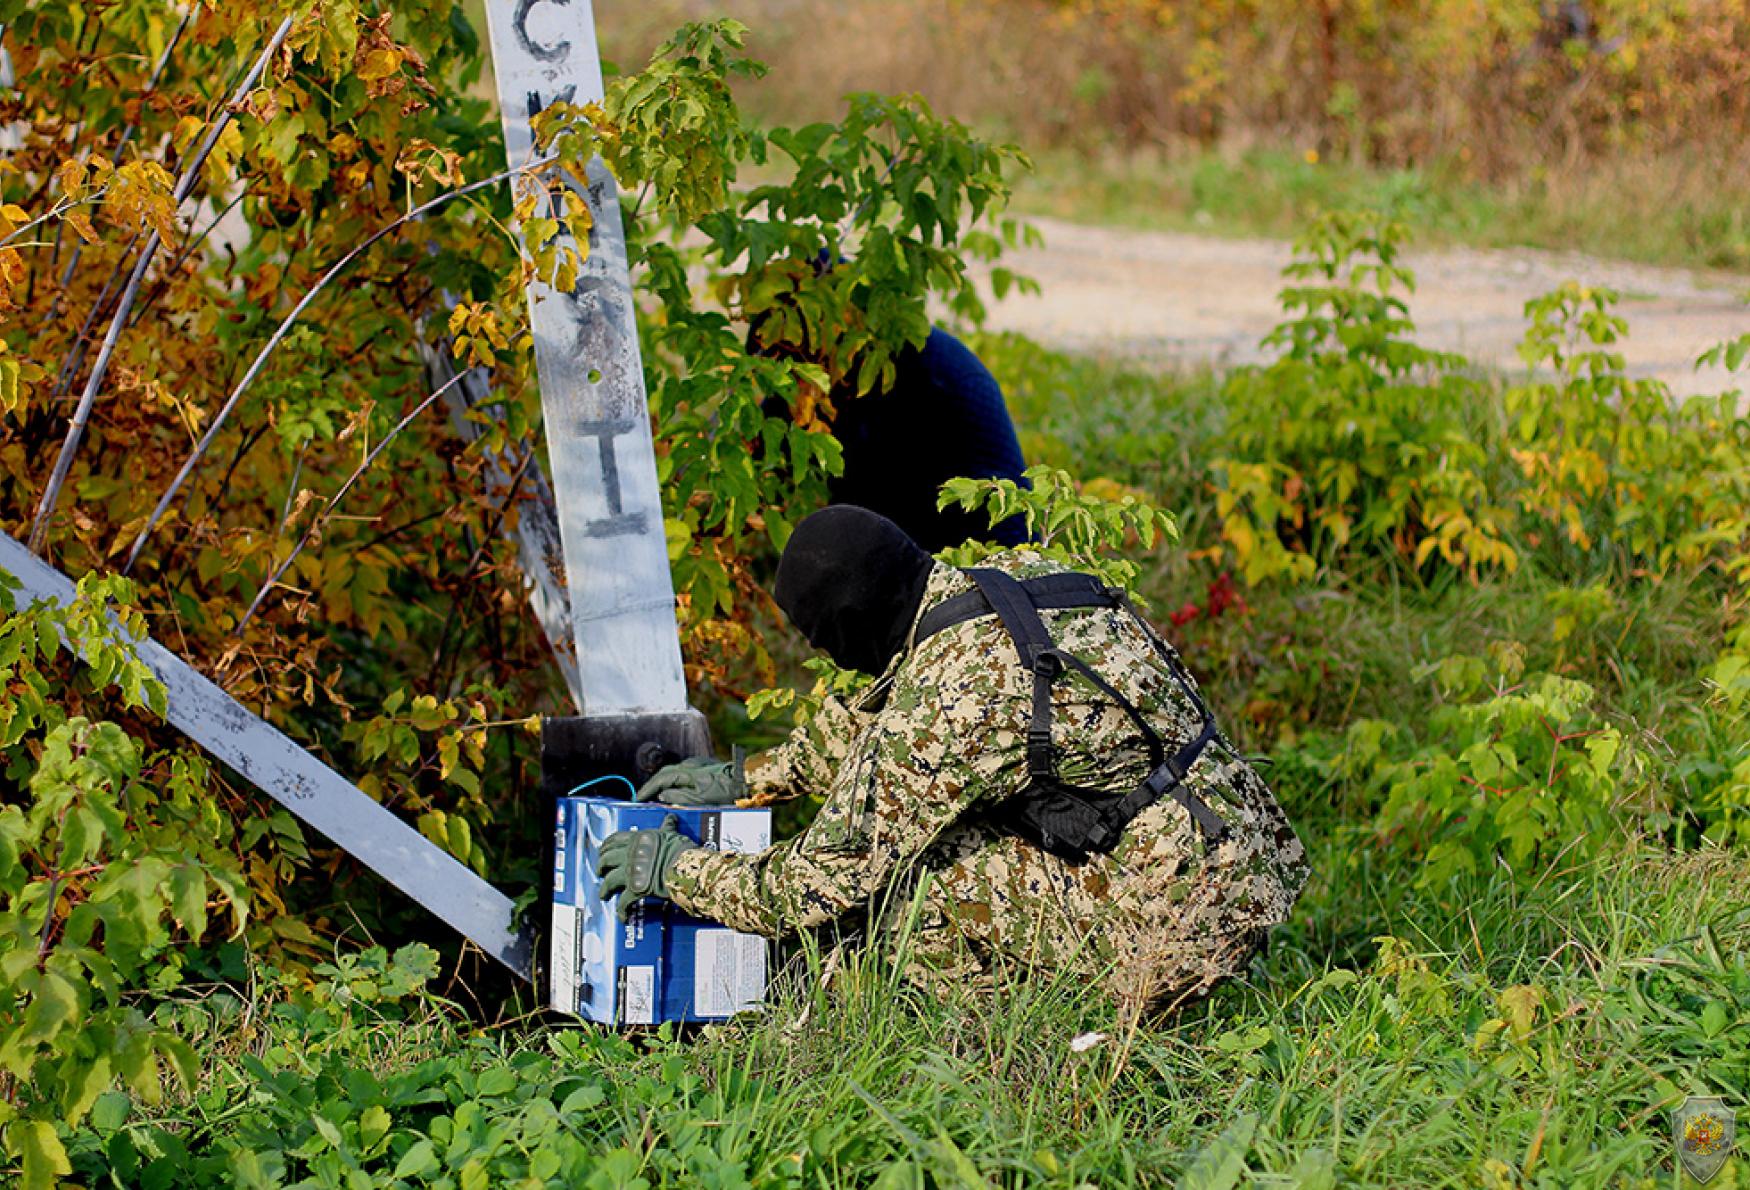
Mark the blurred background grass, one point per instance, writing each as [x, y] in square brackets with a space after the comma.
[1615, 127]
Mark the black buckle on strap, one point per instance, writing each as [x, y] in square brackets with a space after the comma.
[1040, 758]
[1169, 773]
[1168, 780]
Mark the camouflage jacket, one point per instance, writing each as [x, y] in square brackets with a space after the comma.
[938, 741]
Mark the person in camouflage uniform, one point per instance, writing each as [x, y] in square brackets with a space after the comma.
[915, 774]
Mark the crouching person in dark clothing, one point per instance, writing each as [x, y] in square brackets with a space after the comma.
[1034, 765]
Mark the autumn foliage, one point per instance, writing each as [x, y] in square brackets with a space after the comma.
[332, 549]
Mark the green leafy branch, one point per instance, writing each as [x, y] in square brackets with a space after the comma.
[98, 870]
[1066, 521]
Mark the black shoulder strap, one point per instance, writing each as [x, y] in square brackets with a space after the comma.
[1012, 606]
[1050, 591]
[1014, 603]
[1033, 642]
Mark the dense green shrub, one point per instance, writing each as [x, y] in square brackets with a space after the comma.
[1356, 443]
[1510, 767]
[1358, 449]
[1616, 465]
[107, 873]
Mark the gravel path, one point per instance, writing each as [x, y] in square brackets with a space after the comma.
[1174, 299]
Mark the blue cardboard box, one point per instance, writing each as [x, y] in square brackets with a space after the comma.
[659, 964]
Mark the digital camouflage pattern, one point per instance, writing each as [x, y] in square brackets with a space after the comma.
[911, 770]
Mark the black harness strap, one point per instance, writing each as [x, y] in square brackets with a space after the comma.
[1066, 820]
[1155, 747]
[1052, 592]
[1033, 642]
[1168, 779]
[1015, 609]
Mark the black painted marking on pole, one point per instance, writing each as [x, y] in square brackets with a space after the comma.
[544, 53]
[629, 524]
[610, 474]
[537, 105]
[617, 523]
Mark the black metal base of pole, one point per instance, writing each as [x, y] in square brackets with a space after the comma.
[576, 750]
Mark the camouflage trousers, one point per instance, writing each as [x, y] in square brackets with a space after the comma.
[1155, 924]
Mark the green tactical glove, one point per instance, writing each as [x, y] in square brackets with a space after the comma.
[697, 781]
[634, 864]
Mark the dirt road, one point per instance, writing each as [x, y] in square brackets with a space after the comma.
[1164, 299]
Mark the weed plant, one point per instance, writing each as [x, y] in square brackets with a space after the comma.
[1492, 1031]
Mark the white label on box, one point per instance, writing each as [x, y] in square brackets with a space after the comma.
[562, 956]
[745, 834]
[729, 972]
[638, 995]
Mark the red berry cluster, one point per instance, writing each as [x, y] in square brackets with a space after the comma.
[1220, 596]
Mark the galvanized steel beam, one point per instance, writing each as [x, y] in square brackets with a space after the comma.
[592, 392]
[315, 793]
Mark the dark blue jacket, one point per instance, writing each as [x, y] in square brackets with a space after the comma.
[942, 417]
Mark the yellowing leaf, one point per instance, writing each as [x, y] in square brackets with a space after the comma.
[80, 222]
[373, 1125]
[221, 164]
[71, 175]
[188, 129]
[1601, 750]
[379, 64]
[88, 1081]
[1498, 1175]
[44, 1158]
[1519, 1005]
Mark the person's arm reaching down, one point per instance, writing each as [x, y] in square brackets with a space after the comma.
[806, 762]
[923, 760]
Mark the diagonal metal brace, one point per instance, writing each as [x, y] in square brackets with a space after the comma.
[318, 795]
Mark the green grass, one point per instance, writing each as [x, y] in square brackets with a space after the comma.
[1339, 1060]
[1503, 1029]
[1661, 210]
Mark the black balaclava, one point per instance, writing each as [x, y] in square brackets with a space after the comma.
[851, 581]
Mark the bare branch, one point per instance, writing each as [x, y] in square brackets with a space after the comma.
[292, 490]
[279, 334]
[45, 509]
[76, 350]
[321, 518]
[82, 415]
[53, 212]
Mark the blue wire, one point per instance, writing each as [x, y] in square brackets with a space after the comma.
[630, 788]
